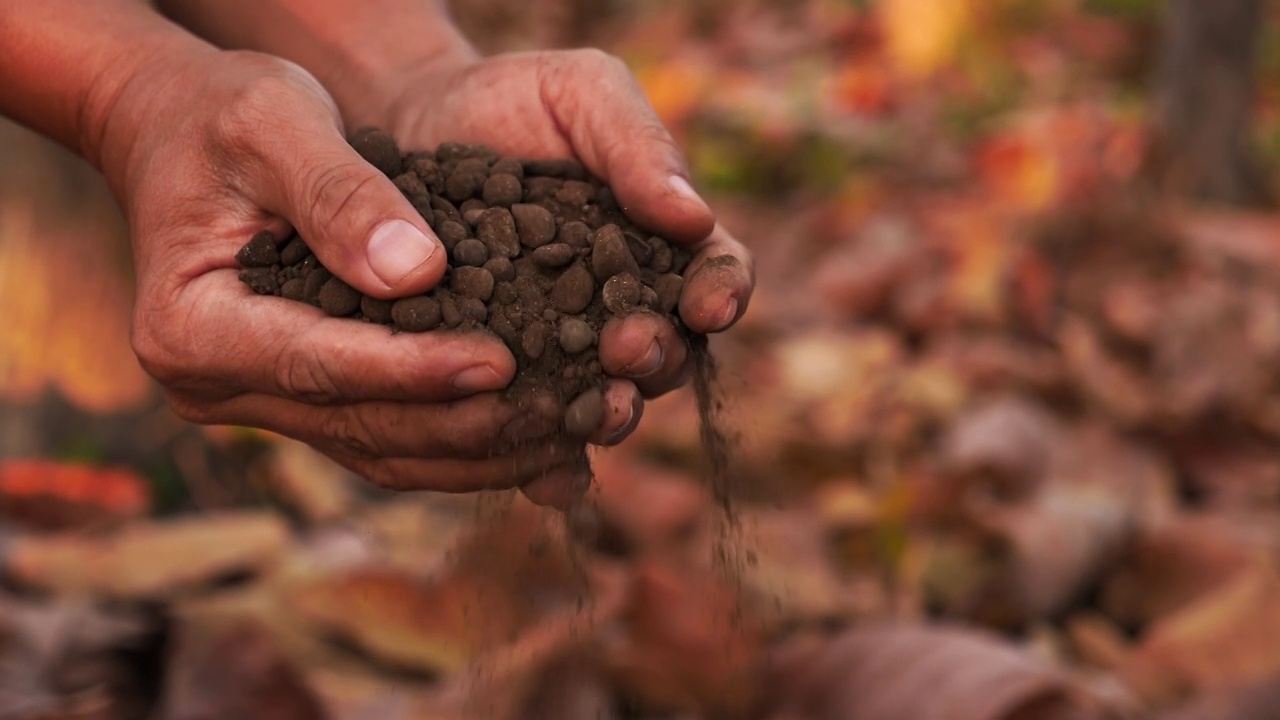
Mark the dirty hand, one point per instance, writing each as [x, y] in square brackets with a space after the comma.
[586, 104]
[206, 150]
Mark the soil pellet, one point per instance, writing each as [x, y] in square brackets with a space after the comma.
[472, 282]
[573, 290]
[508, 166]
[338, 298]
[293, 289]
[501, 269]
[376, 310]
[621, 293]
[313, 283]
[260, 252]
[610, 255]
[416, 314]
[575, 233]
[553, 256]
[294, 252]
[503, 190]
[668, 288]
[261, 280]
[471, 252]
[535, 224]
[497, 230]
[378, 149]
[474, 310]
[576, 335]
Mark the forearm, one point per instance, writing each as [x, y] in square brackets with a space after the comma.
[352, 48]
[63, 63]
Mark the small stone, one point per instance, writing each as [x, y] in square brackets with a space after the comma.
[534, 340]
[584, 414]
[451, 234]
[428, 171]
[262, 280]
[576, 193]
[497, 230]
[535, 224]
[508, 166]
[573, 290]
[446, 207]
[503, 190]
[639, 248]
[313, 283]
[648, 297]
[501, 269]
[416, 314]
[621, 293]
[294, 252]
[554, 255]
[575, 233]
[471, 252]
[473, 282]
[610, 255]
[259, 252]
[550, 315]
[474, 310]
[660, 259]
[378, 149]
[293, 289]
[463, 184]
[338, 298]
[378, 311]
[471, 205]
[576, 335]
[668, 288]
[537, 189]
[449, 312]
[411, 186]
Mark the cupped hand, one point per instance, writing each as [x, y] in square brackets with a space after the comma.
[208, 150]
[587, 104]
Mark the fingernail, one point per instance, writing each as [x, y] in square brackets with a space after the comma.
[478, 378]
[396, 249]
[627, 427]
[727, 315]
[648, 363]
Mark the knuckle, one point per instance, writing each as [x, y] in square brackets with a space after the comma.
[352, 431]
[156, 356]
[305, 378]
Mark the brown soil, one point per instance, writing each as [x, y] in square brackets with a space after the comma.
[540, 255]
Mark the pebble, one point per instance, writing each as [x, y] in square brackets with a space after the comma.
[621, 293]
[416, 314]
[338, 298]
[378, 311]
[535, 224]
[471, 252]
[554, 255]
[473, 282]
[610, 255]
[668, 288]
[576, 335]
[379, 149]
[497, 230]
[572, 291]
[503, 189]
[260, 252]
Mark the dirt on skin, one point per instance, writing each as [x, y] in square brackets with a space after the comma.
[539, 254]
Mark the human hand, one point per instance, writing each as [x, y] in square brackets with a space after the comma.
[205, 151]
[585, 103]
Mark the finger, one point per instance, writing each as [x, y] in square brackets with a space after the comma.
[645, 349]
[446, 475]
[616, 133]
[560, 487]
[624, 406]
[235, 339]
[351, 214]
[480, 427]
[719, 284]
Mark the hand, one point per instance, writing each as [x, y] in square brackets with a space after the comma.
[586, 104]
[206, 150]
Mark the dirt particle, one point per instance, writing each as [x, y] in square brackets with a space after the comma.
[621, 293]
[472, 282]
[668, 288]
[503, 190]
[294, 252]
[293, 289]
[610, 255]
[416, 314]
[471, 252]
[497, 230]
[554, 255]
[501, 269]
[338, 298]
[262, 280]
[535, 224]
[573, 290]
[576, 335]
[376, 310]
[378, 149]
[260, 252]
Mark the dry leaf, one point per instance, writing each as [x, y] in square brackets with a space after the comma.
[149, 560]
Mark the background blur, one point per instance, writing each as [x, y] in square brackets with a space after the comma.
[1007, 398]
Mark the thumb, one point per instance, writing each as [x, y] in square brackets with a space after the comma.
[357, 222]
[620, 138]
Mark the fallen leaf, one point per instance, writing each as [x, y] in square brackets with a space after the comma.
[149, 560]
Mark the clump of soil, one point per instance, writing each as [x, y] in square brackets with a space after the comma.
[540, 255]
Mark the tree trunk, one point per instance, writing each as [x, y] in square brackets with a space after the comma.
[1204, 101]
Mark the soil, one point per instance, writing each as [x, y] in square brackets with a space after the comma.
[540, 255]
